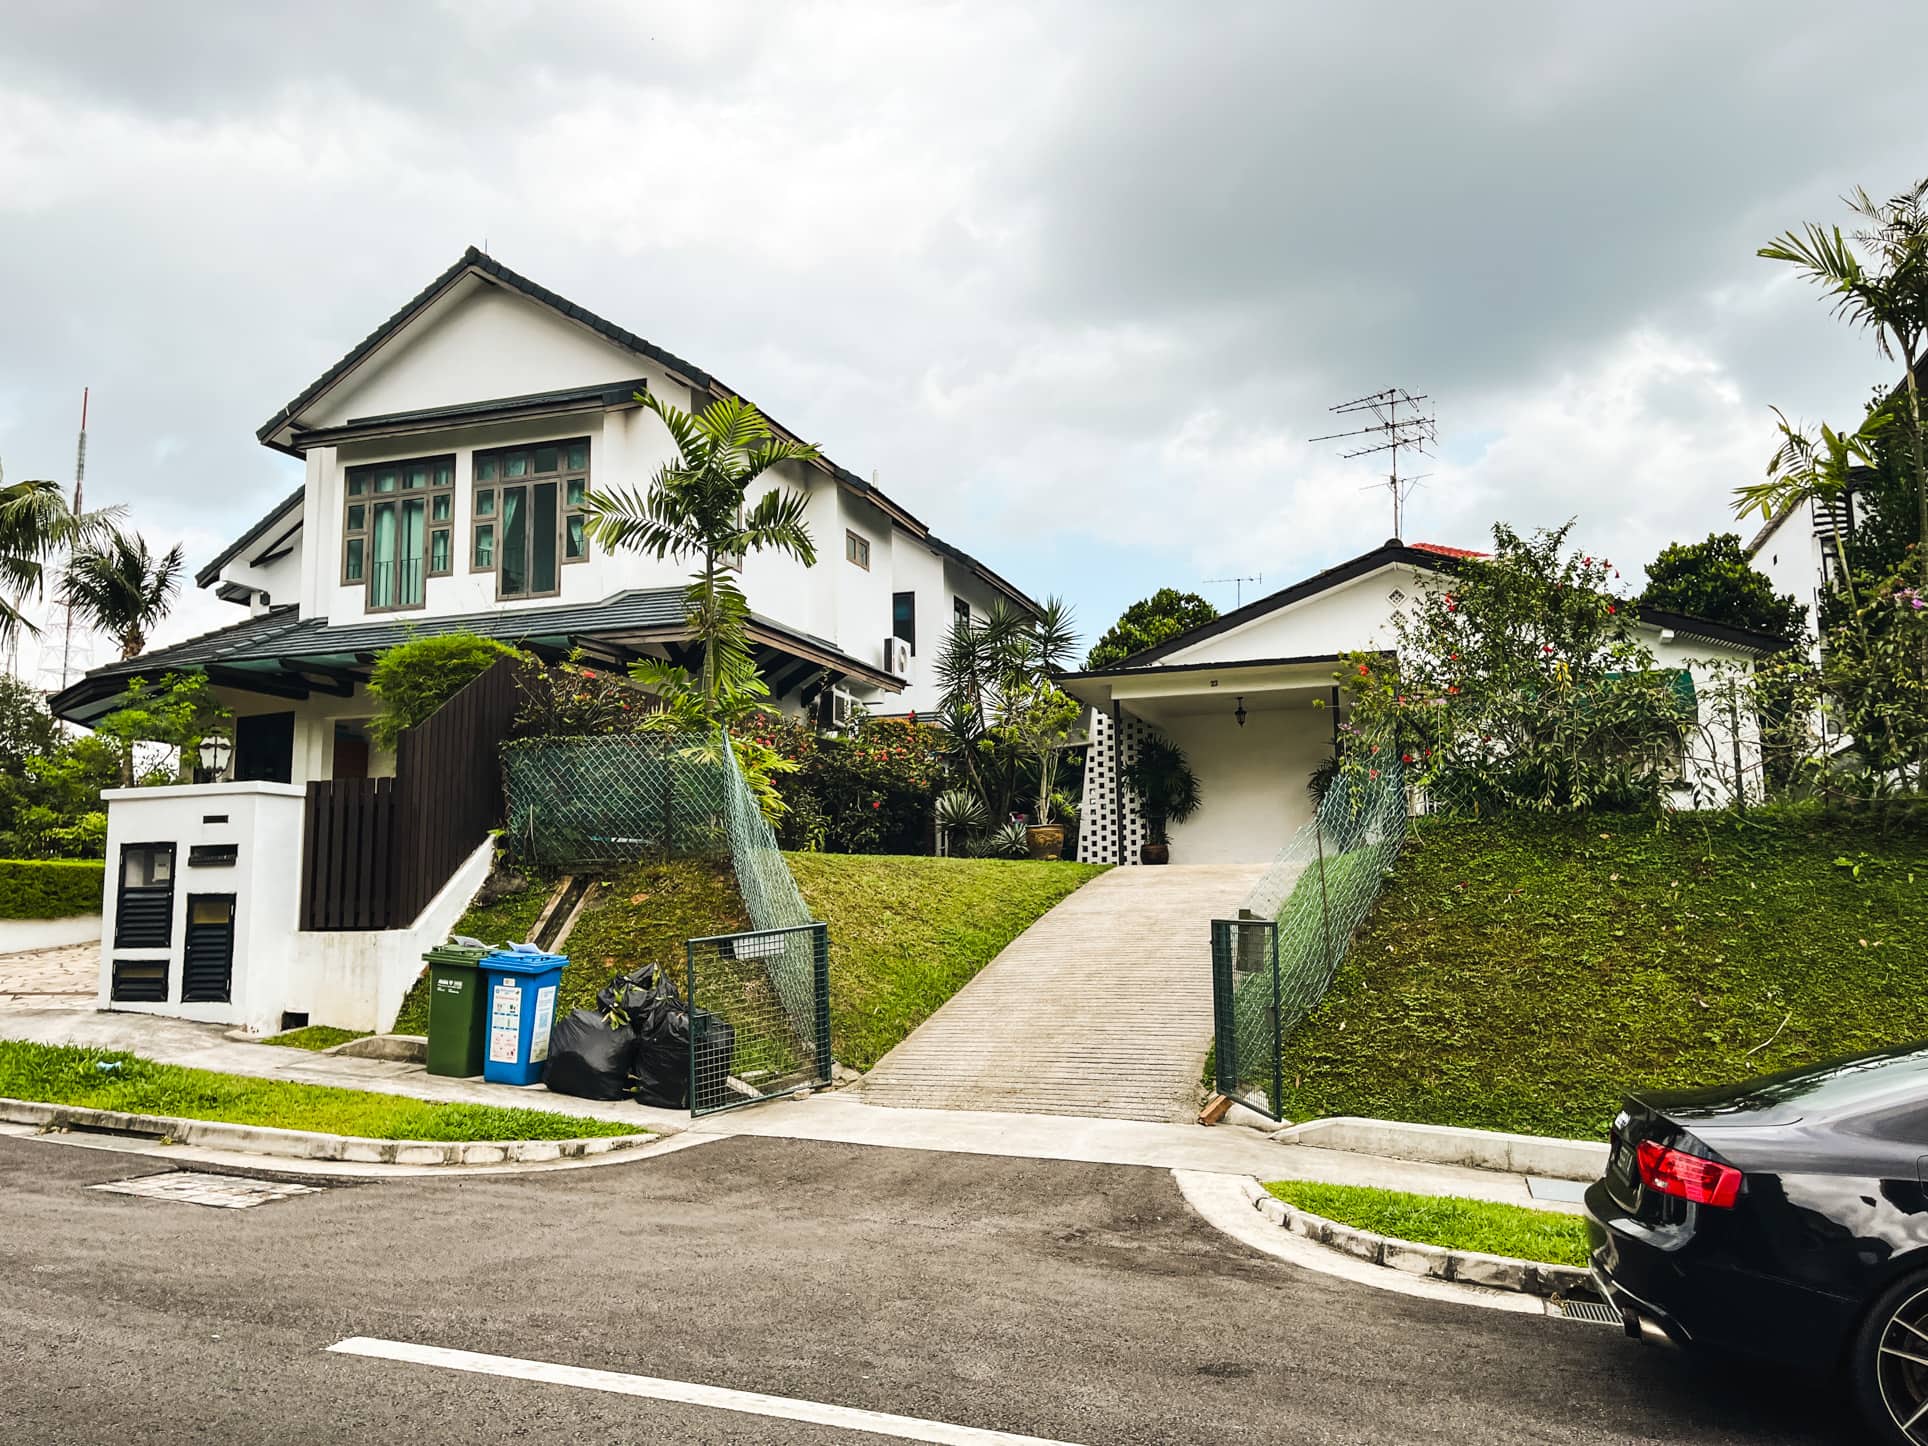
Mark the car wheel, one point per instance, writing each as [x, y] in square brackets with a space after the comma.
[1890, 1364]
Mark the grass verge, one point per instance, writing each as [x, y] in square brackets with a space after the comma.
[110, 1080]
[315, 1037]
[1446, 1220]
[908, 933]
[1524, 974]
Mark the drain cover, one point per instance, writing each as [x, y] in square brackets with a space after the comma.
[1571, 1191]
[1596, 1312]
[226, 1192]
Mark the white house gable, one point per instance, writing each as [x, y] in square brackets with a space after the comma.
[1353, 615]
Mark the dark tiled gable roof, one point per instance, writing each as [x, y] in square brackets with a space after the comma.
[1430, 557]
[488, 266]
[247, 539]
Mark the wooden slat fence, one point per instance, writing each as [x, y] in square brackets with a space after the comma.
[377, 850]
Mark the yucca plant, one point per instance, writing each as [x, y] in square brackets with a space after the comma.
[960, 814]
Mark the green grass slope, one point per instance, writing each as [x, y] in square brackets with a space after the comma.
[1523, 974]
[908, 933]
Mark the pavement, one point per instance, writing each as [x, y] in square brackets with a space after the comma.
[1061, 1300]
[1101, 1008]
[59, 978]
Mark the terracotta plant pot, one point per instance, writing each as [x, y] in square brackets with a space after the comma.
[1155, 854]
[1045, 840]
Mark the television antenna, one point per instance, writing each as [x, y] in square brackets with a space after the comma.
[1390, 432]
[1238, 585]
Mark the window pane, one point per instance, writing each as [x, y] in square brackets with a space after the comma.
[573, 538]
[444, 474]
[357, 484]
[903, 617]
[381, 561]
[542, 539]
[438, 550]
[578, 456]
[415, 478]
[409, 580]
[515, 542]
[352, 569]
[444, 506]
[516, 464]
[546, 458]
[485, 503]
[578, 489]
[385, 481]
[485, 545]
[357, 517]
[485, 469]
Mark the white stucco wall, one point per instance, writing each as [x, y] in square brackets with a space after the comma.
[19, 935]
[1354, 615]
[1251, 781]
[1791, 559]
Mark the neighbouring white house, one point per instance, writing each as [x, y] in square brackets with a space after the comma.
[1252, 699]
[1798, 549]
[447, 459]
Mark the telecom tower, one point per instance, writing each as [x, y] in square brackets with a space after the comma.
[66, 648]
[1415, 431]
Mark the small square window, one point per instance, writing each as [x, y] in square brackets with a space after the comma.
[856, 549]
[573, 540]
[444, 474]
[578, 456]
[1396, 596]
[578, 488]
[546, 458]
[442, 506]
[485, 469]
[485, 545]
[516, 464]
[357, 485]
[485, 503]
[386, 481]
[438, 550]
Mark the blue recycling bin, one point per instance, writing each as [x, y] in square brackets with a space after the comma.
[522, 982]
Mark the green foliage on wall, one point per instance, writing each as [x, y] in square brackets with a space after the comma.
[412, 679]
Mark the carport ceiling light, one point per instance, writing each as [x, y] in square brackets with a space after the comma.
[1239, 712]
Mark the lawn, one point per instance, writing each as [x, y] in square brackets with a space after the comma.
[316, 1037]
[1523, 974]
[1446, 1220]
[109, 1080]
[908, 933]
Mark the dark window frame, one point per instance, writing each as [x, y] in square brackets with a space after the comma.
[960, 608]
[904, 627]
[122, 892]
[361, 495]
[856, 548]
[488, 469]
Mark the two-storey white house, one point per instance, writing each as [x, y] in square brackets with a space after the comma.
[447, 458]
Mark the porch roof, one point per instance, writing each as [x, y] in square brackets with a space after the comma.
[284, 655]
[1174, 683]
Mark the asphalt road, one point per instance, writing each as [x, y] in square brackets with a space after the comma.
[1082, 1303]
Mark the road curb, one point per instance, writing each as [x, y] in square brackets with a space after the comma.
[311, 1145]
[1467, 1267]
[1543, 1155]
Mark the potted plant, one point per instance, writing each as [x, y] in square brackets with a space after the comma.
[1167, 791]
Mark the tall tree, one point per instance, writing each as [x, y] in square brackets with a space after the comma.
[35, 523]
[120, 588]
[1149, 622]
[1878, 277]
[1714, 580]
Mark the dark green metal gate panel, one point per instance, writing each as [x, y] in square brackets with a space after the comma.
[759, 1015]
[1245, 1013]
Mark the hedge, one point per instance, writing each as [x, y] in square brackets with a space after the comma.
[50, 888]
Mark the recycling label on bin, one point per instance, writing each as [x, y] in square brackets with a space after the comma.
[505, 1021]
[539, 1028]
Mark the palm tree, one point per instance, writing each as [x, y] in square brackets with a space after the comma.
[695, 508]
[1879, 282]
[986, 673]
[119, 588]
[35, 523]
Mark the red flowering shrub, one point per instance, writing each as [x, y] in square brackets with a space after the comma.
[870, 791]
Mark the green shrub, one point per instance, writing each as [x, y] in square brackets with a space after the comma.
[412, 679]
[49, 888]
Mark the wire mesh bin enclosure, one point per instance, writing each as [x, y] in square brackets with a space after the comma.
[759, 1015]
[582, 802]
[1273, 964]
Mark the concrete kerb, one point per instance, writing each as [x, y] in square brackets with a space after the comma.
[1540, 1155]
[1469, 1267]
[310, 1145]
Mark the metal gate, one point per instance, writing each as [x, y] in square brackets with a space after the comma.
[759, 1015]
[1245, 1013]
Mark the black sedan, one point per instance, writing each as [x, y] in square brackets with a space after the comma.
[1786, 1219]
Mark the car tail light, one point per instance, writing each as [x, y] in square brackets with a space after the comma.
[1675, 1172]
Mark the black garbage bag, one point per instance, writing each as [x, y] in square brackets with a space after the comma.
[714, 1040]
[637, 993]
[590, 1058]
[659, 1068]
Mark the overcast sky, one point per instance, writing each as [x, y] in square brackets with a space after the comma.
[1077, 282]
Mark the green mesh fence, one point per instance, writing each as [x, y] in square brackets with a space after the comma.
[1274, 963]
[577, 803]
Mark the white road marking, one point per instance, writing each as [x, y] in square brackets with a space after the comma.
[688, 1393]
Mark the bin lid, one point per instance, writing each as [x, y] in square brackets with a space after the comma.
[523, 959]
[467, 954]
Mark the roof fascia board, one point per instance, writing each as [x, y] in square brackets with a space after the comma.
[212, 572]
[472, 414]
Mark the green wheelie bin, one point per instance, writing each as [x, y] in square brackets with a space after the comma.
[458, 1007]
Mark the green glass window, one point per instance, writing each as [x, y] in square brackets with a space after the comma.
[388, 544]
[484, 554]
[352, 560]
[530, 519]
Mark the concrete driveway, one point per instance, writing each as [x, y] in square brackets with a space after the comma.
[1103, 1007]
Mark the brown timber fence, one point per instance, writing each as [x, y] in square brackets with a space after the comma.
[376, 850]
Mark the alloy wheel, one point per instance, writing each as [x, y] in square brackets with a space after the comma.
[1901, 1367]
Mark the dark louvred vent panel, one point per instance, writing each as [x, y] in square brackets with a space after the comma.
[145, 918]
[207, 968]
[140, 981]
